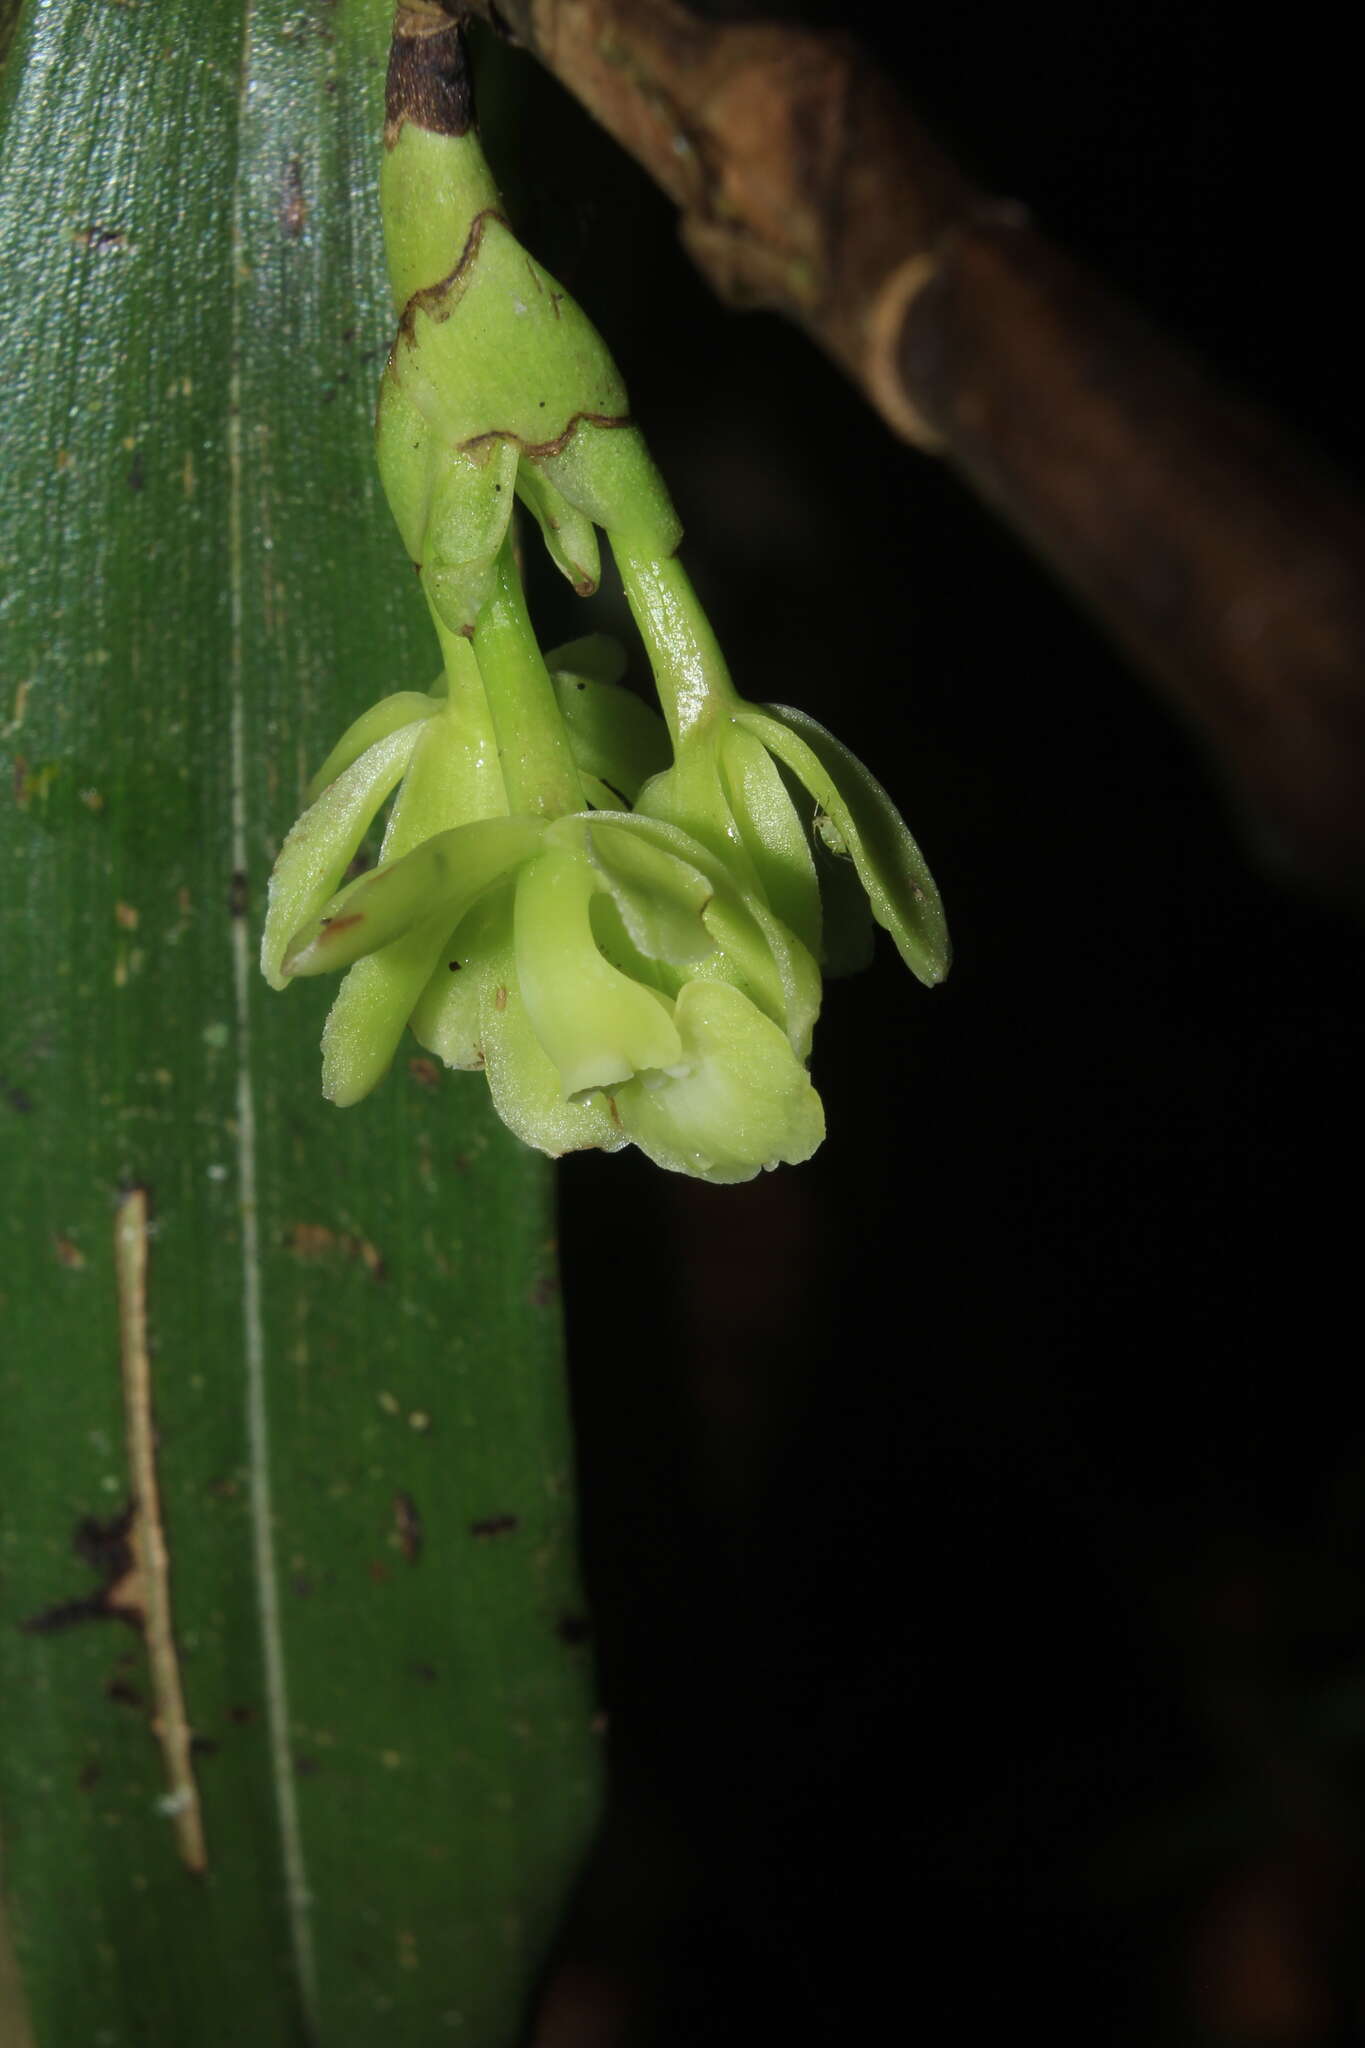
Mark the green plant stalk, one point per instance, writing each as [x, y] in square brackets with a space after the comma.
[353, 1351]
[533, 746]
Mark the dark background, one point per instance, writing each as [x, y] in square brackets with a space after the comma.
[975, 1517]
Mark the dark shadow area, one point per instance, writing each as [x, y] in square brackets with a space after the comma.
[974, 1518]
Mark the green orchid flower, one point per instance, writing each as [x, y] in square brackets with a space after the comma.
[731, 785]
[606, 972]
[619, 918]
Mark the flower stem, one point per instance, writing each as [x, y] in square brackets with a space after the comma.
[689, 669]
[533, 745]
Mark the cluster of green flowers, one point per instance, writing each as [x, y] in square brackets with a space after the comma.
[620, 917]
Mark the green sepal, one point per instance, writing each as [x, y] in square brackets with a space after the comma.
[890, 865]
[774, 836]
[444, 876]
[570, 538]
[372, 1007]
[323, 842]
[472, 1016]
[597, 1026]
[744, 1103]
[614, 735]
[446, 1018]
[454, 776]
[522, 1079]
[404, 707]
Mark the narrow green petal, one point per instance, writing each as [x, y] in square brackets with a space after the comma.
[455, 775]
[773, 833]
[447, 1018]
[323, 843]
[523, 1080]
[442, 878]
[404, 707]
[661, 899]
[744, 1105]
[597, 1026]
[899, 885]
[373, 1005]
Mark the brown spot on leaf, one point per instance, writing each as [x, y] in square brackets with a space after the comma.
[424, 1072]
[107, 1549]
[407, 1523]
[314, 1244]
[69, 1253]
[98, 237]
[293, 205]
[494, 1525]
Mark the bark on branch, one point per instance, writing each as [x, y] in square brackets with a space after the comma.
[1227, 563]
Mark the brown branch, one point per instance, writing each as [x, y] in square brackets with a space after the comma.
[1226, 562]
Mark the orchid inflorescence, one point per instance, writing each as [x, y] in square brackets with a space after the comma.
[620, 917]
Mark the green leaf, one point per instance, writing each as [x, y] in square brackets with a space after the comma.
[341, 1326]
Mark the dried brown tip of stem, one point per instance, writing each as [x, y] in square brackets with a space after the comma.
[429, 82]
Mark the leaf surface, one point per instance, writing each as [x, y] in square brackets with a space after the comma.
[352, 1350]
